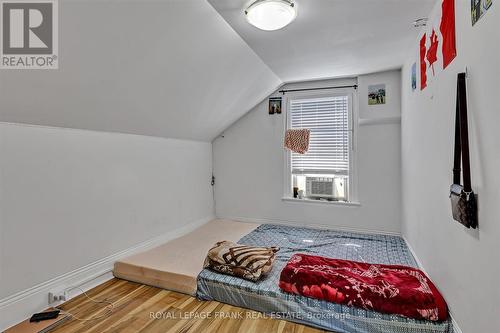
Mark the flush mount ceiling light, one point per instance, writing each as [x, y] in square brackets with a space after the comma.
[271, 14]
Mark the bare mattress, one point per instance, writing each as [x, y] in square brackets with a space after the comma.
[176, 264]
[266, 296]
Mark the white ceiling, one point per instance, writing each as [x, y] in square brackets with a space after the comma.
[333, 38]
[170, 68]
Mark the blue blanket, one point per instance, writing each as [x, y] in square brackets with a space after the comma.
[265, 295]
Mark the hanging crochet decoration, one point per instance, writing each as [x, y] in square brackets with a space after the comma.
[297, 140]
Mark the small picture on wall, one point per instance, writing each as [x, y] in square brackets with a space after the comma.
[414, 77]
[376, 94]
[478, 8]
[275, 105]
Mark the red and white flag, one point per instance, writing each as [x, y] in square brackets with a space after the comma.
[438, 43]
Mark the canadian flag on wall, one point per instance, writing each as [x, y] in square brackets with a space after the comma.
[438, 45]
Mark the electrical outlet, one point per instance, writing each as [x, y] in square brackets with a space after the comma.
[55, 297]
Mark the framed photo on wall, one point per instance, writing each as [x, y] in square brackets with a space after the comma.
[275, 105]
[376, 94]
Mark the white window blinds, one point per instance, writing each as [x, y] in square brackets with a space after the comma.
[328, 120]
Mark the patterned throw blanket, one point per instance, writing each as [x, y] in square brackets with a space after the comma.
[390, 289]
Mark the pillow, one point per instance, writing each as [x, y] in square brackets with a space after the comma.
[247, 262]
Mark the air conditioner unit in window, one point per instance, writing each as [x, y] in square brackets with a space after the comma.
[325, 187]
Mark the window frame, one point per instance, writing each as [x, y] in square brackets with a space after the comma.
[352, 95]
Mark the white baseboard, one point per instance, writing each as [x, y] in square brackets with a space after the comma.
[311, 225]
[419, 263]
[21, 305]
[456, 328]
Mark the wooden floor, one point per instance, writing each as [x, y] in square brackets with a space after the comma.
[140, 308]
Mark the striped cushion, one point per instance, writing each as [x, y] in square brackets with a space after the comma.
[243, 261]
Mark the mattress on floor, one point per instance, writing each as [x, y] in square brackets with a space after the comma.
[265, 295]
[176, 264]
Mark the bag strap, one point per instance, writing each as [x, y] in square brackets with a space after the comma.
[458, 148]
[462, 136]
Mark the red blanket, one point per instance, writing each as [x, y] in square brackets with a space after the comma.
[391, 289]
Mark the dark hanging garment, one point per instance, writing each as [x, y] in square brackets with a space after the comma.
[463, 199]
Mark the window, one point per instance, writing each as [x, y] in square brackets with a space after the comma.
[325, 171]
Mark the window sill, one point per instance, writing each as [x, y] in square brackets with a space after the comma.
[322, 202]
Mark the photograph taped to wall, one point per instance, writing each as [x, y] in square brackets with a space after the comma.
[414, 77]
[376, 94]
[478, 8]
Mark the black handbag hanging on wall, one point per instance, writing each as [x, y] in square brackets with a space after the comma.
[463, 199]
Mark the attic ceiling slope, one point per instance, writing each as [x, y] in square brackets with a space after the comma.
[332, 38]
[162, 68]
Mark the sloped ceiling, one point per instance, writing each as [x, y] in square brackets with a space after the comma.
[333, 38]
[171, 68]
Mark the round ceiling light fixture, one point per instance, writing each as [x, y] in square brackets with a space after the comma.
[271, 14]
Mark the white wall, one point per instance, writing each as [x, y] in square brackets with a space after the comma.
[71, 197]
[249, 166]
[463, 263]
[392, 108]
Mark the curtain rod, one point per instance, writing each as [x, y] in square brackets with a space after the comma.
[321, 88]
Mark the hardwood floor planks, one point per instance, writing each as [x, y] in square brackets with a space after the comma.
[141, 308]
